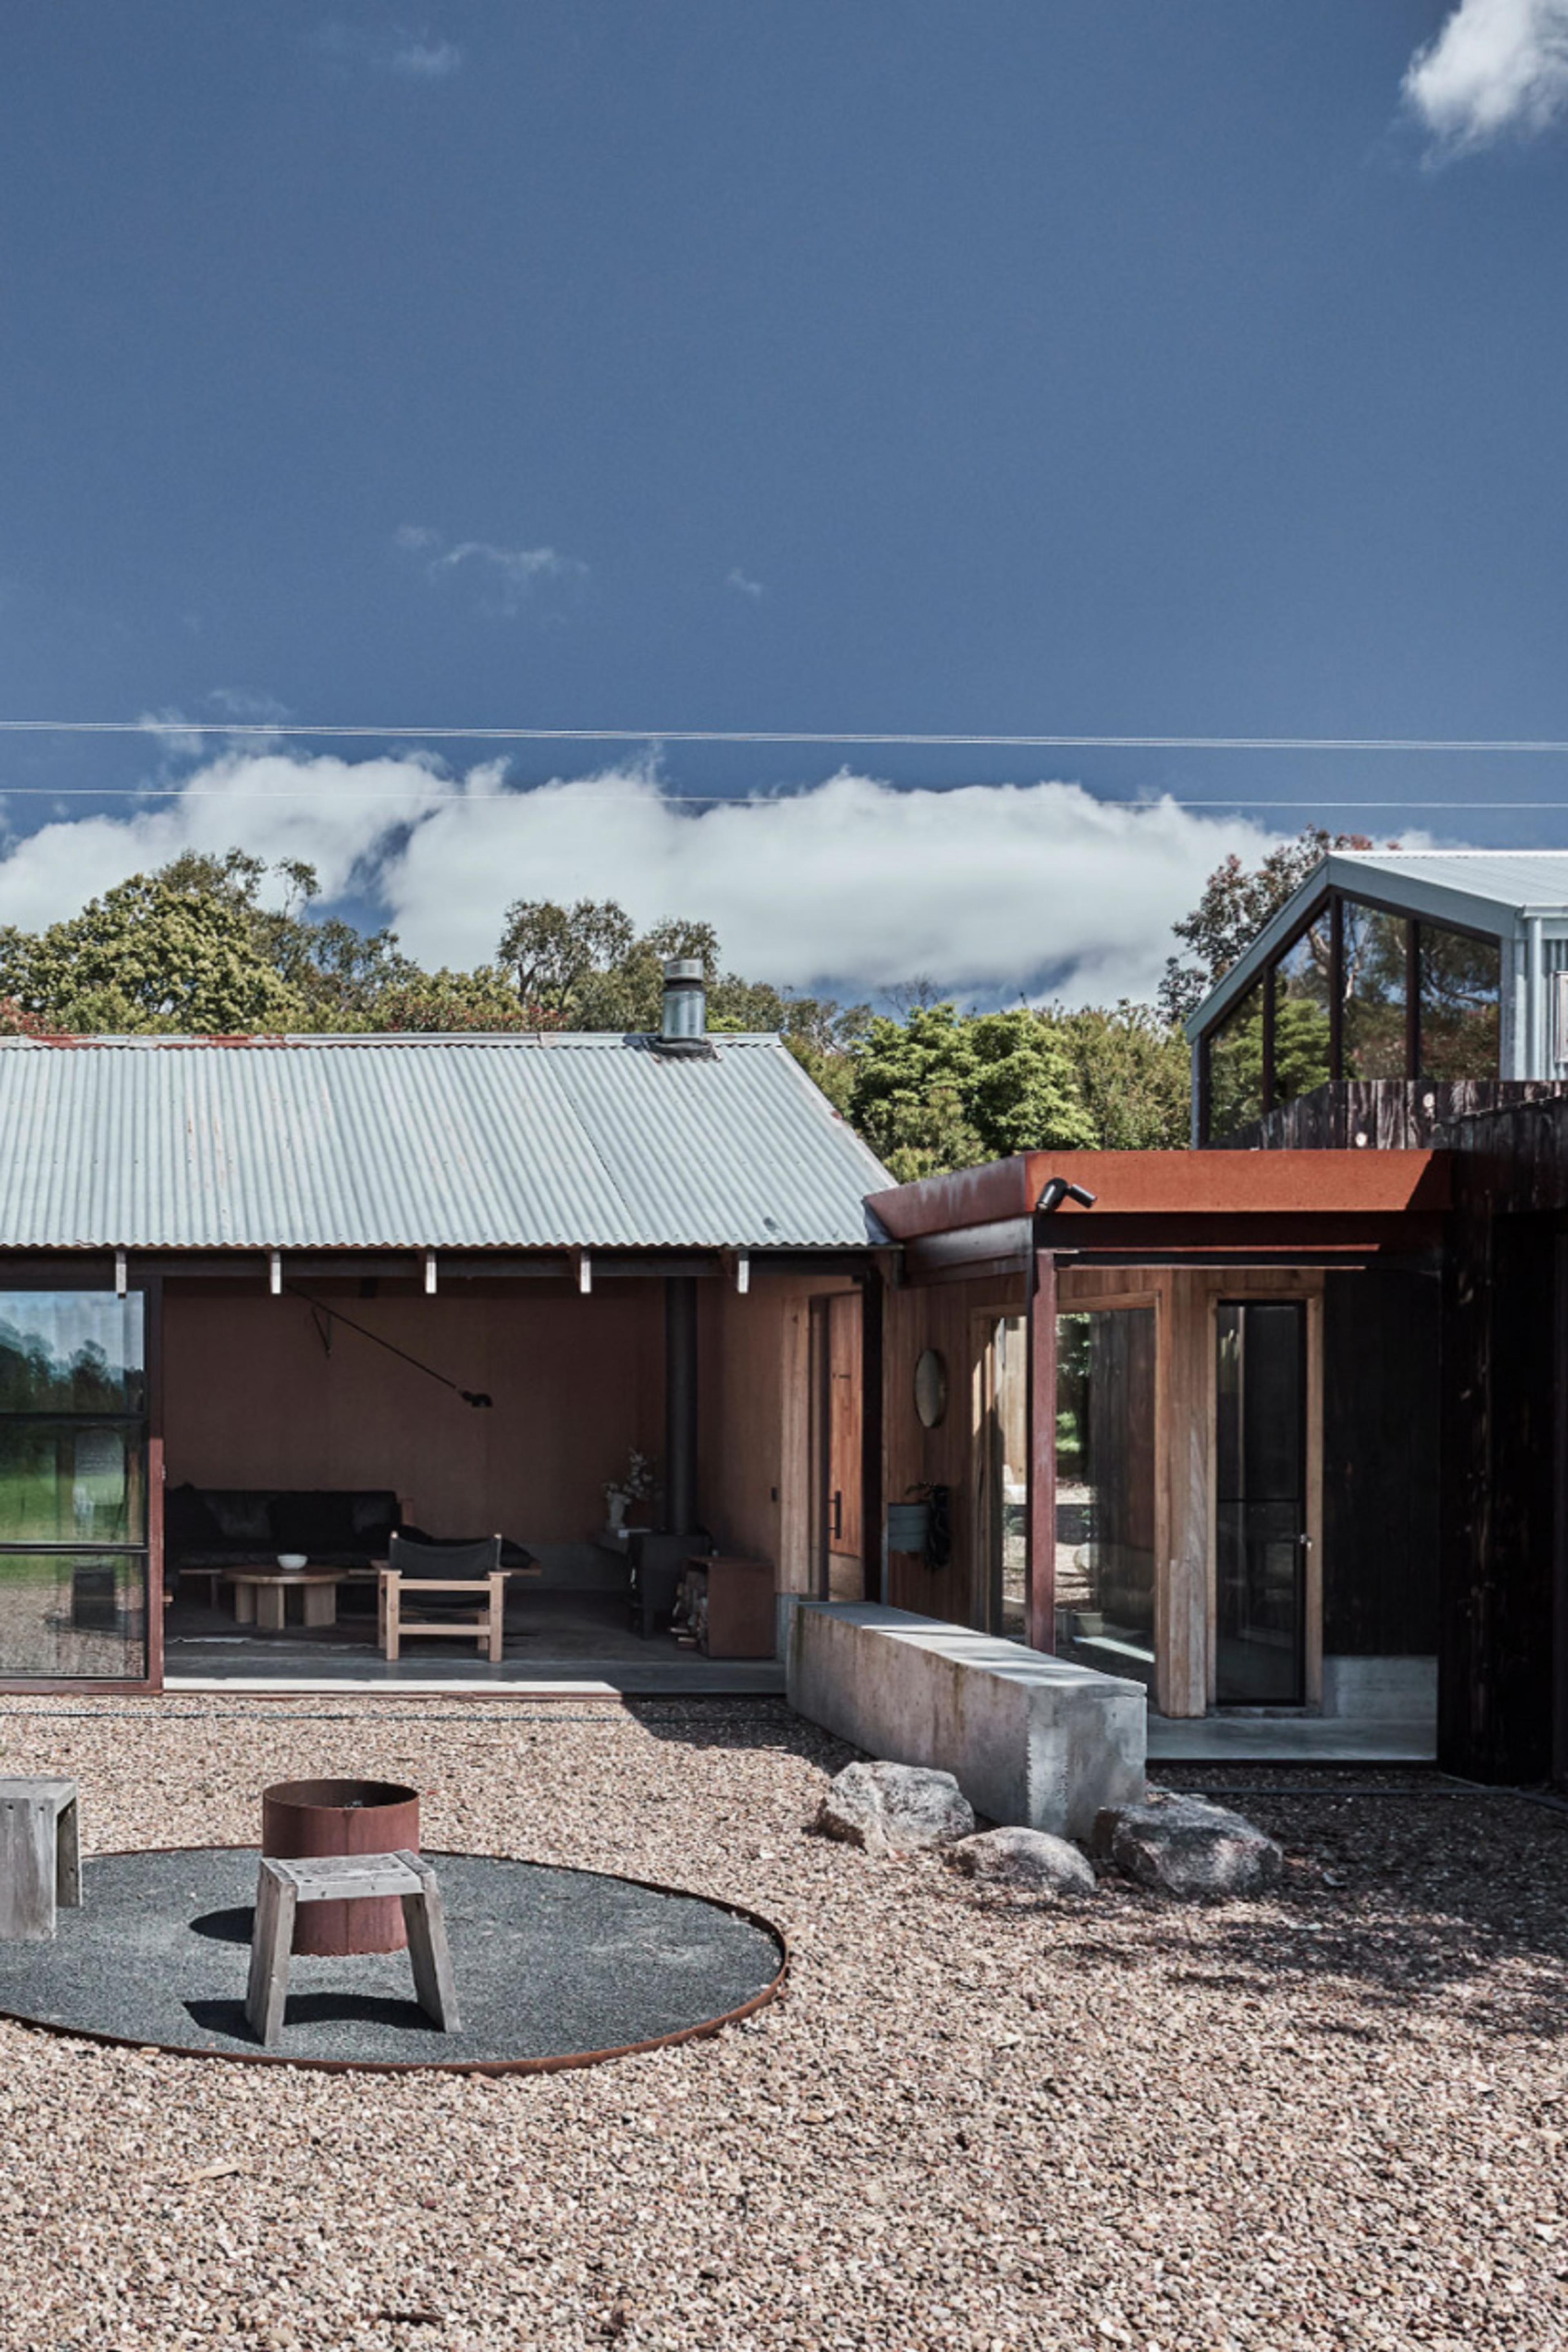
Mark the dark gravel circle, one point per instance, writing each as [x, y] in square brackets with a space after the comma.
[551, 1967]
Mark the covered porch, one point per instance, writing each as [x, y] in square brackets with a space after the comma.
[1176, 1417]
[222, 1408]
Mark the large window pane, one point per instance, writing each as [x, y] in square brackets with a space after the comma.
[1236, 1067]
[1105, 1490]
[1460, 983]
[1375, 991]
[72, 1615]
[1303, 994]
[71, 1482]
[70, 1352]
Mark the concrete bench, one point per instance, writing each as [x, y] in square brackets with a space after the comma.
[282, 1886]
[40, 1857]
[1032, 1740]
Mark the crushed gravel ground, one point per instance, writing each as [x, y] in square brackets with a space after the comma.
[1332, 2118]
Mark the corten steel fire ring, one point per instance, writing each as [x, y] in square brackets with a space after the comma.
[303, 1818]
[555, 1968]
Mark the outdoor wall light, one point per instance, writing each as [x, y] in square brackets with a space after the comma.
[1059, 1190]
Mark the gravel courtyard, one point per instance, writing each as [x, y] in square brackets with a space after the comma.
[1333, 2118]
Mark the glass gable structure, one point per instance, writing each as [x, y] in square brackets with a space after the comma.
[1357, 990]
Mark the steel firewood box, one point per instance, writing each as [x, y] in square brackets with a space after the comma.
[302, 1819]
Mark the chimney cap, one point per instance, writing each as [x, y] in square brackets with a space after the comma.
[683, 968]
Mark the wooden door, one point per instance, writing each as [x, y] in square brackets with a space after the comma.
[842, 1535]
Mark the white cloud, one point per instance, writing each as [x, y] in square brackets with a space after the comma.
[425, 60]
[1496, 65]
[412, 57]
[989, 889]
[510, 571]
[340, 815]
[743, 586]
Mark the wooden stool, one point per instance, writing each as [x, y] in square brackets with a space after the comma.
[40, 1857]
[280, 1886]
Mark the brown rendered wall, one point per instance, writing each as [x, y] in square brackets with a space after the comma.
[251, 1398]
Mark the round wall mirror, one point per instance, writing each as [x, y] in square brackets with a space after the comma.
[930, 1388]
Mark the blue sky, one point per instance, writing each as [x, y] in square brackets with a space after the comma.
[878, 364]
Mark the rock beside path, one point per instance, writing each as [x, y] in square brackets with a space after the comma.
[1188, 1847]
[1024, 1858]
[895, 1808]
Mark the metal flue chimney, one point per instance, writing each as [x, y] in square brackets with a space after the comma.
[685, 1020]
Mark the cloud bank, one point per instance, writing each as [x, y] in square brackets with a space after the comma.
[989, 890]
[1496, 66]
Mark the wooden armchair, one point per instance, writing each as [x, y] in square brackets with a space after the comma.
[445, 1579]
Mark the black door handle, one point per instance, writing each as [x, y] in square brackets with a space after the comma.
[837, 1514]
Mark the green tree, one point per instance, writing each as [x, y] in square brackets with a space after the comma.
[451, 1002]
[1236, 902]
[150, 954]
[1131, 1073]
[942, 1090]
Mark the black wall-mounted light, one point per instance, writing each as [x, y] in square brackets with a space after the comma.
[1059, 1190]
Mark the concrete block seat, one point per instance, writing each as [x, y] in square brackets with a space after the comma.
[1032, 1740]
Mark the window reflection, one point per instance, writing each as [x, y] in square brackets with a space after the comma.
[73, 1616]
[70, 1352]
[73, 1501]
[1105, 1490]
[1460, 990]
[1373, 986]
[1303, 1026]
[1236, 1067]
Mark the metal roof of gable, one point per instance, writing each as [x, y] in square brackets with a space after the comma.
[395, 1142]
[1480, 889]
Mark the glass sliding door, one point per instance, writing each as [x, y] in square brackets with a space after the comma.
[1106, 1490]
[1260, 1495]
[73, 1486]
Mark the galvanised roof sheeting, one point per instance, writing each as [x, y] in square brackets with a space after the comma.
[1493, 890]
[561, 1142]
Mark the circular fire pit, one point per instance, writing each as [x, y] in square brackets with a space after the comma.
[303, 1818]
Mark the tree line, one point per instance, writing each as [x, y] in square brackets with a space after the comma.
[196, 949]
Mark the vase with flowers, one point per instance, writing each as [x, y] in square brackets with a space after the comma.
[635, 1484]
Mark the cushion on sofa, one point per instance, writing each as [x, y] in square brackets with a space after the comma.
[188, 1522]
[313, 1519]
[241, 1514]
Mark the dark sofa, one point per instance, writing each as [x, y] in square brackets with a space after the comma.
[225, 1526]
[222, 1526]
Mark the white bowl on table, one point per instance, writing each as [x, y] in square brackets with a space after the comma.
[292, 1560]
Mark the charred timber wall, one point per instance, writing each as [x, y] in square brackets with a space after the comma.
[1382, 1401]
[1384, 1114]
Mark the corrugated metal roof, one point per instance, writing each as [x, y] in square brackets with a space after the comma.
[562, 1142]
[1529, 881]
[1479, 889]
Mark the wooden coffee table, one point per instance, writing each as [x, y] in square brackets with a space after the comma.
[262, 1595]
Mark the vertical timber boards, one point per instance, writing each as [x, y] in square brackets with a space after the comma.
[1499, 1537]
[1382, 1338]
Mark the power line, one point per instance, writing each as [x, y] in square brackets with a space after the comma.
[522, 794]
[264, 728]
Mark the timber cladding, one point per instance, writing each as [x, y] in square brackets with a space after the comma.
[1382, 1398]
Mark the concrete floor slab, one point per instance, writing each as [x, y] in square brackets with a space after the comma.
[1288, 1739]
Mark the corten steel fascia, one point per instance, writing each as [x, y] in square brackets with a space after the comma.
[1213, 1184]
[701, 2031]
